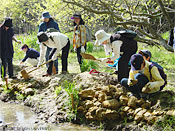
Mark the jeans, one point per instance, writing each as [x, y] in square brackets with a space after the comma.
[7, 62]
[137, 88]
[64, 57]
[47, 58]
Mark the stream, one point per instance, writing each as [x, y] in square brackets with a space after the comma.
[21, 118]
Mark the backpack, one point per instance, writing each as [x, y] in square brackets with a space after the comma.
[127, 33]
[161, 71]
[88, 34]
[171, 38]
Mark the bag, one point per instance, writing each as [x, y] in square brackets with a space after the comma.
[88, 34]
[127, 33]
[171, 38]
[161, 71]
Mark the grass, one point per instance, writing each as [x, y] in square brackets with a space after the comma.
[167, 123]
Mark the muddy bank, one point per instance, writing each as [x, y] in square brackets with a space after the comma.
[99, 101]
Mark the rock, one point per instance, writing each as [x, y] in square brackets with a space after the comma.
[132, 102]
[102, 97]
[109, 97]
[81, 109]
[149, 118]
[157, 113]
[105, 89]
[112, 89]
[97, 93]
[146, 105]
[123, 99]
[87, 93]
[170, 113]
[97, 103]
[100, 112]
[91, 114]
[29, 91]
[111, 114]
[126, 109]
[137, 110]
[111, 104]
[140, 102]
[88, 104]
[131, 111]
[140, 115]
[120, 91]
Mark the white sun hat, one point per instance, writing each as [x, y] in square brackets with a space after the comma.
[101, 36]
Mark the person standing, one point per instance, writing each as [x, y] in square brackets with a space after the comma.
[48, 23]
[57, 41]
[6, 50]
[79, 37]
[120, 46]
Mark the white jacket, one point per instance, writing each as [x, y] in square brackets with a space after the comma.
[113, 47]
[59, 41]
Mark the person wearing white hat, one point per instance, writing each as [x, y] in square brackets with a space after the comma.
[119, 45]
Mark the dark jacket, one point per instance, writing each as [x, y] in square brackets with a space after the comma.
[31, 53]
[127, 45]
[171, 38]
[6, 45]
[51, 24]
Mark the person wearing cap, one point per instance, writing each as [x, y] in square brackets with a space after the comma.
[120, 47]
[57, 41]
[139, 77]
[31, 57]
[146, 54]
[6, 47]
[48, 23]
[79, 36]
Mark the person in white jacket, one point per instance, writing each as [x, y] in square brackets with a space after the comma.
[58, 42]
[120, 46]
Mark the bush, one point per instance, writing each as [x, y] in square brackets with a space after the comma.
[87, 65]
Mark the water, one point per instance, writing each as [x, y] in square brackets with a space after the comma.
[21, 118]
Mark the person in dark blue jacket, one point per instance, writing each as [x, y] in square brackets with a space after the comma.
[47, 23]
[31, 57]
[6, 50]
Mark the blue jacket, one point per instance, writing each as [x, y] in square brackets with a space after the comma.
[44, 26]
[31, 53]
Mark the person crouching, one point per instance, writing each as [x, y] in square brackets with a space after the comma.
[31, 57]
[58, 42]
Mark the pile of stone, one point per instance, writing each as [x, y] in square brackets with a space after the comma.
[100, 101]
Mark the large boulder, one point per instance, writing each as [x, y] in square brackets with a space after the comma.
[87, 93]
[132, 102]
[111, 104]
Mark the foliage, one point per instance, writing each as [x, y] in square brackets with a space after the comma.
[148, 17]
[58, 90]
[89, 47]
[87, 65]
[167, 123]
[71, 89]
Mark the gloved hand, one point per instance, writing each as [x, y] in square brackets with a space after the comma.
[54, 58]
[39, 63]
[147, 87]
[104, 60]
[75, 49]
[0, 61]
[133, 82]
[82, 49]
